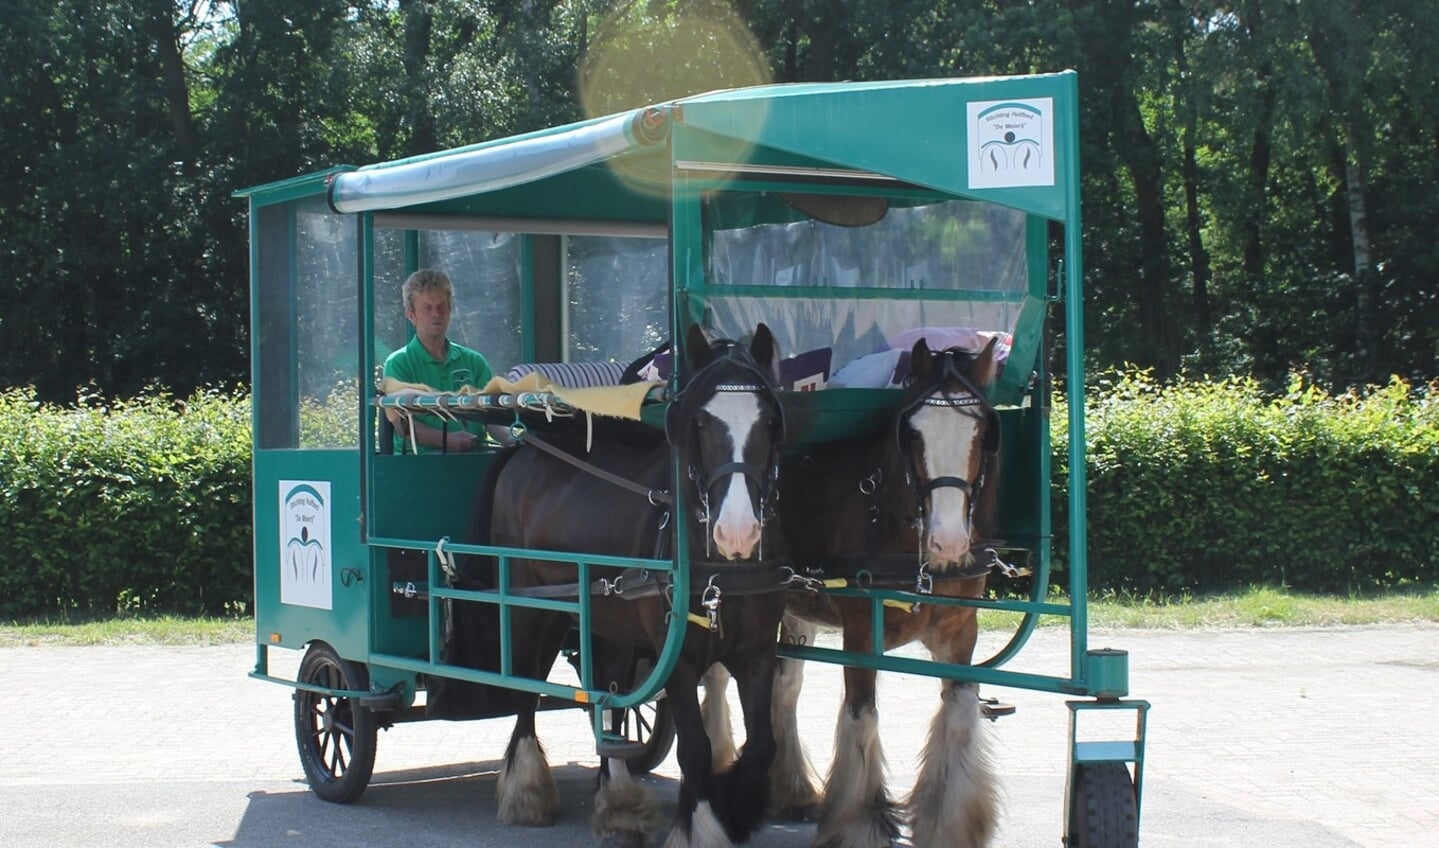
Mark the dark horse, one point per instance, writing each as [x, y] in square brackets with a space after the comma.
[725, 427]
[921, 497]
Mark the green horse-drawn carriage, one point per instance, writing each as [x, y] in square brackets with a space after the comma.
[851, 240]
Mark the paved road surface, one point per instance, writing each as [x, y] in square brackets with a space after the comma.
[1317, 738]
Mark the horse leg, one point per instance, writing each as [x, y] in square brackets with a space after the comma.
[715, 711]
[741, 797]
[696, 825]
[857, 811]
[793, 782]
[955, 798]
[625, 812]
[526, 791]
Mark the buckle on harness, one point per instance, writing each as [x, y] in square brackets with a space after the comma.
[924, 581]
[710, 600]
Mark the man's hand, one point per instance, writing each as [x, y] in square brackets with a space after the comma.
[459, 441]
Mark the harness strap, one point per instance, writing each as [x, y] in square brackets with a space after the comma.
[898, 569]
[639, 583]
[655, 497]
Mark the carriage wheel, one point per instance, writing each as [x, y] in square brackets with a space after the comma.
[1102, 809]
[652, 724]
[336, 736]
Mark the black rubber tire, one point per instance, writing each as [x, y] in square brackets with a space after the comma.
[335, 736]
[1103, 812]
[651, 723]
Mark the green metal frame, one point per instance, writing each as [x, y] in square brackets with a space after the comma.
[905, 139]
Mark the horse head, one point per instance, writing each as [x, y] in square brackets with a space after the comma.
[727, 424]
[948, 435]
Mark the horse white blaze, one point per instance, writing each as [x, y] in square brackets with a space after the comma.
[949, 443]
[736, 530]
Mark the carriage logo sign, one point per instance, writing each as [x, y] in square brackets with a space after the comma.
[305, 543]
[1011, 143]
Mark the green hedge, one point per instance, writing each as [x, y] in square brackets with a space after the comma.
[144, 506]
[1209, 486]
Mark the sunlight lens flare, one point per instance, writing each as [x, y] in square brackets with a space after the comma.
[640, 57]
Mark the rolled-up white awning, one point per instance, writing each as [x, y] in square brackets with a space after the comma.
[494, 165]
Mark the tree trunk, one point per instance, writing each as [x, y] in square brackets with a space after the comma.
[1106, 32]
[1337, 33]
[419, 26]
[161, 25]
[824, 23]
[1186, 105]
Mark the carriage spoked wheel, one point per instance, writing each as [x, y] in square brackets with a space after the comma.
[335, 735]
[650, 725]
[1103, 812]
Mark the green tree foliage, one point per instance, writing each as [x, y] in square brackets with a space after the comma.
[1257, 174]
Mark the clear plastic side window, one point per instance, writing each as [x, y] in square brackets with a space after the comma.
[616, 296]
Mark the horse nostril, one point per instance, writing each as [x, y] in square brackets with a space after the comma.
[944, 550]
[736, 543]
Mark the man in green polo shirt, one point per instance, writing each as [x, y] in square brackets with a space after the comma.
[433, 360]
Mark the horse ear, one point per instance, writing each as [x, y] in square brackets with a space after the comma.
[921, 361]
[697, 348]
[986, 365]
[762, 347]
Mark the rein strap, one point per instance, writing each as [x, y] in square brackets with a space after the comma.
[657, 498]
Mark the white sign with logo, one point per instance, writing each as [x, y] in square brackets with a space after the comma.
[305, 564]
[1011, 143]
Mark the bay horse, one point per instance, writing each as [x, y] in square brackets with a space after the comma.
[912, 504]
[725, 426]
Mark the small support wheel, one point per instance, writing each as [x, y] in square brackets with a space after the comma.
[335, 735]
[652, 726]
[1103, 812]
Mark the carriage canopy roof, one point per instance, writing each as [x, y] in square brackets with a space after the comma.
[1008, 140]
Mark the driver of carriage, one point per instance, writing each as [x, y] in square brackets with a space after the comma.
[432, 359]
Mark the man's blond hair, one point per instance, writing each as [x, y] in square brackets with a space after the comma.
[425, 280]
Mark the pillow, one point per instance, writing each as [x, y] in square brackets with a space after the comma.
[806, 372]
[571, 375]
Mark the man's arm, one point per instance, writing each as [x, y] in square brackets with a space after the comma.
[451, 440]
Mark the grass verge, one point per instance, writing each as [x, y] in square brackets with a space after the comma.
[162, 630]
[1257, 607]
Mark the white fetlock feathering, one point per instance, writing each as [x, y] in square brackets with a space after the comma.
[705, 831]
[623, 806]
[955, 799]
[526, 789]
[848, 816]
